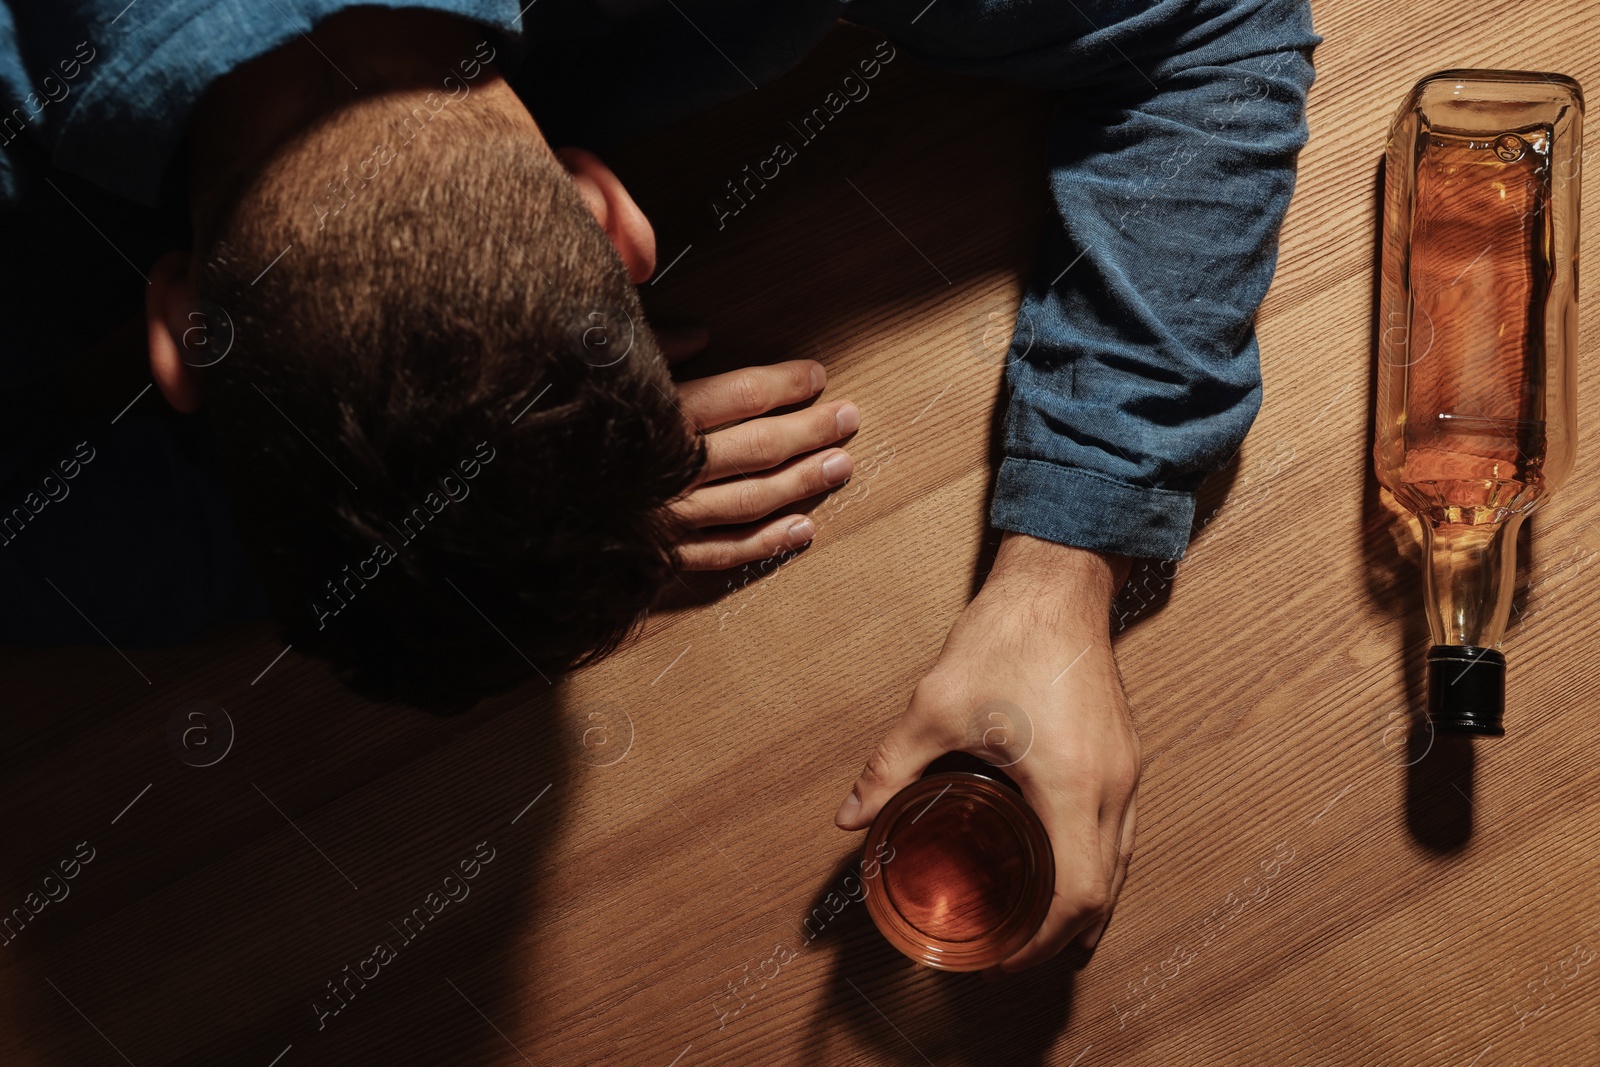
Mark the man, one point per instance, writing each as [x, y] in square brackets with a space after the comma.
[401, 308]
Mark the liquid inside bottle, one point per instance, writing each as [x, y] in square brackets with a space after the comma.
[1475, 420]
[1480, 276]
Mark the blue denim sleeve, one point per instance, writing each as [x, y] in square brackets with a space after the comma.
[1133, 366]
[137, 71]
[13, 92]
[1134, 369]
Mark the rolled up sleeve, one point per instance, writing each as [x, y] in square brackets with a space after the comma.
[1133, 367]
[1143, 374]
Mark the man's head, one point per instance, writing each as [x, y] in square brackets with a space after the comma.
[448, 432]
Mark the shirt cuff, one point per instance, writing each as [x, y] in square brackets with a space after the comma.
[1072, 506]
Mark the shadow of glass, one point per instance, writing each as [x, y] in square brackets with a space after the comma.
[875, 998]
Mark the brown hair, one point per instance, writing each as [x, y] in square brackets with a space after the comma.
[460, 312]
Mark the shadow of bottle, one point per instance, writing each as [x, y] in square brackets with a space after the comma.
[1438, 816]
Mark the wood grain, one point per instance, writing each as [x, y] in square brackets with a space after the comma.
[1306, 889]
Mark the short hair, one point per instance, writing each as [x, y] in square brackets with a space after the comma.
[445, 305]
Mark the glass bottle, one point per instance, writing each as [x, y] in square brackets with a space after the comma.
[1476, 409]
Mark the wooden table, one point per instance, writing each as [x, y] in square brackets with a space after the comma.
[1307, 887]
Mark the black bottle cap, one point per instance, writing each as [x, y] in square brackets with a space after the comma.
[1466, 689]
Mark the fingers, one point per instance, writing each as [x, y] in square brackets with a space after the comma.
[1091, 937]
[679, 343]
[741, 500]
[1082, 891]
[722, 549]
[754, 468]
[899, 760]
[749, 391]
[764, 443]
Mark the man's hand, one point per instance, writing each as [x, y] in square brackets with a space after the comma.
[1036, 638]
[756, 463]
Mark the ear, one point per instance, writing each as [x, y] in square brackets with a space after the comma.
[167, 300]
[614, 210]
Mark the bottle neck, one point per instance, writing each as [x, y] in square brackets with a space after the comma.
[1470, 576]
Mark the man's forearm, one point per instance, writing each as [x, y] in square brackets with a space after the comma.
[1070, 587]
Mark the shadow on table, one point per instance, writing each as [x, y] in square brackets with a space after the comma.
[215, 923]
[910, 1014]
[1150, 581]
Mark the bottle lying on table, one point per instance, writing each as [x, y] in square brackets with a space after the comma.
[1476, 404]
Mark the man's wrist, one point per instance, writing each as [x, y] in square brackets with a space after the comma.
[1079, 578]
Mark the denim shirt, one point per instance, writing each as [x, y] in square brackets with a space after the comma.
[1133, 367]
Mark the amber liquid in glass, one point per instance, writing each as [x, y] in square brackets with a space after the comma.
[966, 866]
[958, 870]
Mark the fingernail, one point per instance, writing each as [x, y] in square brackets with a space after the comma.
[836, 468]
[819, 378]
[848, 418]
[1091, 938]
[800, 531]
[848, 811]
